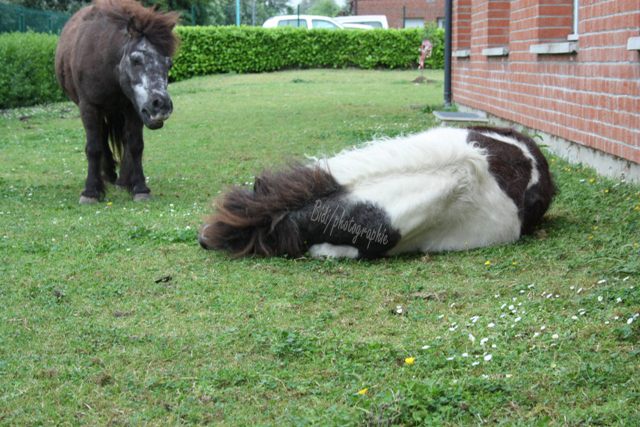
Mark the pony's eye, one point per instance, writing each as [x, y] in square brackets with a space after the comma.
[135, 61]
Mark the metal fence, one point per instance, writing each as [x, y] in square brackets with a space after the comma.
[18, 18]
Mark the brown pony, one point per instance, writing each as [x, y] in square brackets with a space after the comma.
[113, 60]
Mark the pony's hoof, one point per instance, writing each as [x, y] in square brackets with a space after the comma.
[121, 187]
[87, 200]
[139, 197]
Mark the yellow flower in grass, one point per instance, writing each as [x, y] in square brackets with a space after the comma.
[487, 263]
[409, 360]
[363, 391]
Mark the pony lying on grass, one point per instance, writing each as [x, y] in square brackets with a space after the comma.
[441, 190]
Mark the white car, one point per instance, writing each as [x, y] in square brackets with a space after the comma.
[375, 21]
[357, 27]
[304, 21]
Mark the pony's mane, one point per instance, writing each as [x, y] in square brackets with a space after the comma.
[258, 222]
[155, 25]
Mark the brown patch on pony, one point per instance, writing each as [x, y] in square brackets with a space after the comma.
[260, 222]
[512, 170]
[140, 21]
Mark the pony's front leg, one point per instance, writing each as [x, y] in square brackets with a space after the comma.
[94, 188]
[131, 172]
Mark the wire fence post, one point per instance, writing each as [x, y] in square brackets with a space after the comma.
[21, 20]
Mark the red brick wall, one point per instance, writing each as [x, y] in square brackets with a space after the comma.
[393, 9]
[490, 23]
[462, 18]
[591, 97]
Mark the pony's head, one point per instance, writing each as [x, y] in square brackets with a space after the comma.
[266, 221]
[146, 60]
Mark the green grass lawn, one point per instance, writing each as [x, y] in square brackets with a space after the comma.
[112, 315]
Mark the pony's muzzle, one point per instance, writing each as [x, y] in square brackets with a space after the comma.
[156, 111]
[203, 239]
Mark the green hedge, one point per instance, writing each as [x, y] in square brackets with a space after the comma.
[27, 75]
[210, 50]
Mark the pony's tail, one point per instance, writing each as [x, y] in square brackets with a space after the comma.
[113, 146]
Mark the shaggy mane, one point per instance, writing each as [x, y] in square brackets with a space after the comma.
[258, 222]
[156, 26]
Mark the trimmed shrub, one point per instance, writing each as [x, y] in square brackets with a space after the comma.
[211, 50]
[27, 76]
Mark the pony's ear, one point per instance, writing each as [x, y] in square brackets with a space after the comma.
[131, 26]
[276, 220]
[260, 186]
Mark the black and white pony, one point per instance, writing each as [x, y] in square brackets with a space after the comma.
[442, 190]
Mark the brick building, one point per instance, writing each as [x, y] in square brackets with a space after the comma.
[418, 12]
[568, 69]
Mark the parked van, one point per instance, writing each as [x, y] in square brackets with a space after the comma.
[304, 21]
[375, 21]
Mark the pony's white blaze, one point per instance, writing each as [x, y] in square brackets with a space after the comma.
[141, 91]
[435, 187]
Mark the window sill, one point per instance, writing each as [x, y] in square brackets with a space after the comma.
[496, 51]
[462, 53]
[554, 48]
[633, 43]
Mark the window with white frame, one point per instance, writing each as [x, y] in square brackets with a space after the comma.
[414, 23]
[576, 19]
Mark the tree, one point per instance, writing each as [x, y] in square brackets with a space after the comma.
[324, 8]
[194, 12]
[61, 6]
[260, 10]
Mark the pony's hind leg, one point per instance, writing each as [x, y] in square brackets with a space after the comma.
[124, 171]
[94, 188]
[108, 163]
